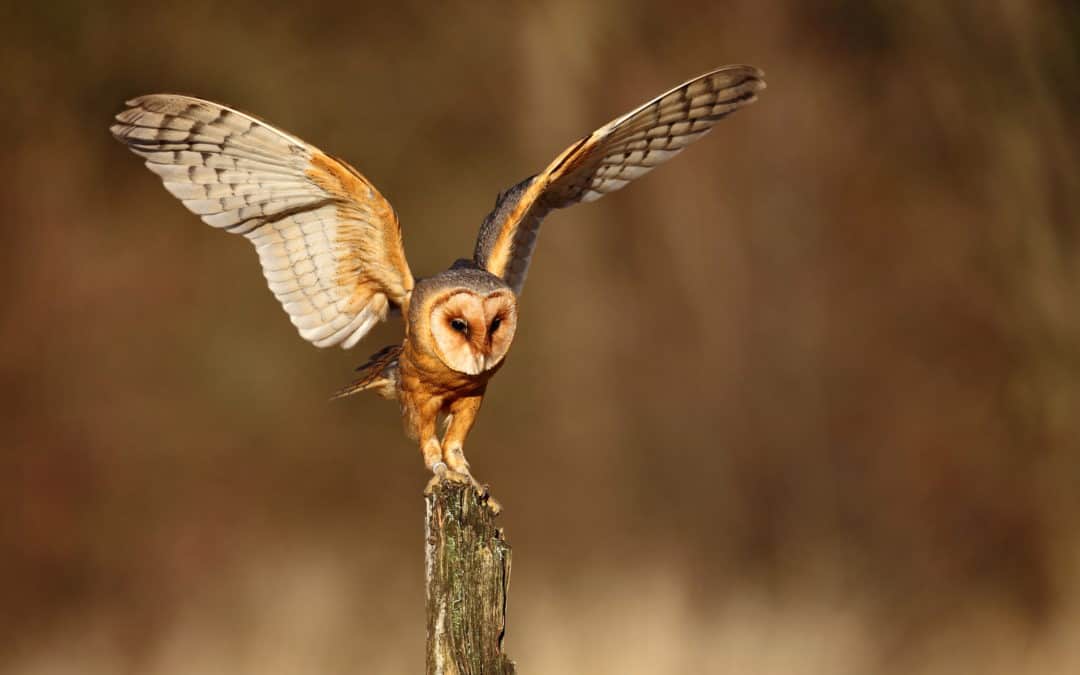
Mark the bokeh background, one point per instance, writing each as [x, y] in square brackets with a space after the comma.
[805, 400]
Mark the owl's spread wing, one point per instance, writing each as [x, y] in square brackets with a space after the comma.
[606, 160]
[330, 245]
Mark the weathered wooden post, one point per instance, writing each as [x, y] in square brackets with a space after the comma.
[467, 575]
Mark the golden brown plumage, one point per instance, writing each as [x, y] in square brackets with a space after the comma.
[331, 248]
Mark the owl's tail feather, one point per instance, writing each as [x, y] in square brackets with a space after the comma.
[378, 373]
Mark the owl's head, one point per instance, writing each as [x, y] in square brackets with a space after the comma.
[472, 330]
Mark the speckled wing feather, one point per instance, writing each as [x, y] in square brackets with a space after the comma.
[607, 159]
[329, 243]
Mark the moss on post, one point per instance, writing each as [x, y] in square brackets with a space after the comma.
[468, 571]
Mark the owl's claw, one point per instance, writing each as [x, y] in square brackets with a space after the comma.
[457, 477]
[483, 493]
[481, 489]
[493, 505]
[442, 473]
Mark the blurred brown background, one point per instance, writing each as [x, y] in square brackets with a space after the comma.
[803, 401]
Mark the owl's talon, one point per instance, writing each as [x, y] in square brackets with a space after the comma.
[457, 477]
[481, 489]
[493, 505]
[445, 475]
[442, 474]
[484, 494]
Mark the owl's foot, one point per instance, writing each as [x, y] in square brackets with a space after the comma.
[481, 491]
[443, 473]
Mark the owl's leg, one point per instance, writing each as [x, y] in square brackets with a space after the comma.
[426, 432]
[432, 449]
[463, 413]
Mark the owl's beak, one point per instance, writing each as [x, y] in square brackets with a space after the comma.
[491, 360]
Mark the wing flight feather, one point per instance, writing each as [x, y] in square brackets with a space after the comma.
[626, 148]
[329, 244]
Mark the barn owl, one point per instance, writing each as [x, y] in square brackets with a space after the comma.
[331, 246]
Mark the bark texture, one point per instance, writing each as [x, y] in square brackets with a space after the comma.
[468, 572]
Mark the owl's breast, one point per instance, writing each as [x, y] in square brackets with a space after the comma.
[426, 387]
[423, 372]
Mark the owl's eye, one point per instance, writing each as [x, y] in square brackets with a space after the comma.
[495, 323]
[460, 326]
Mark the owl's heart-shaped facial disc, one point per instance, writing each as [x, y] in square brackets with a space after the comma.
[473, 332]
